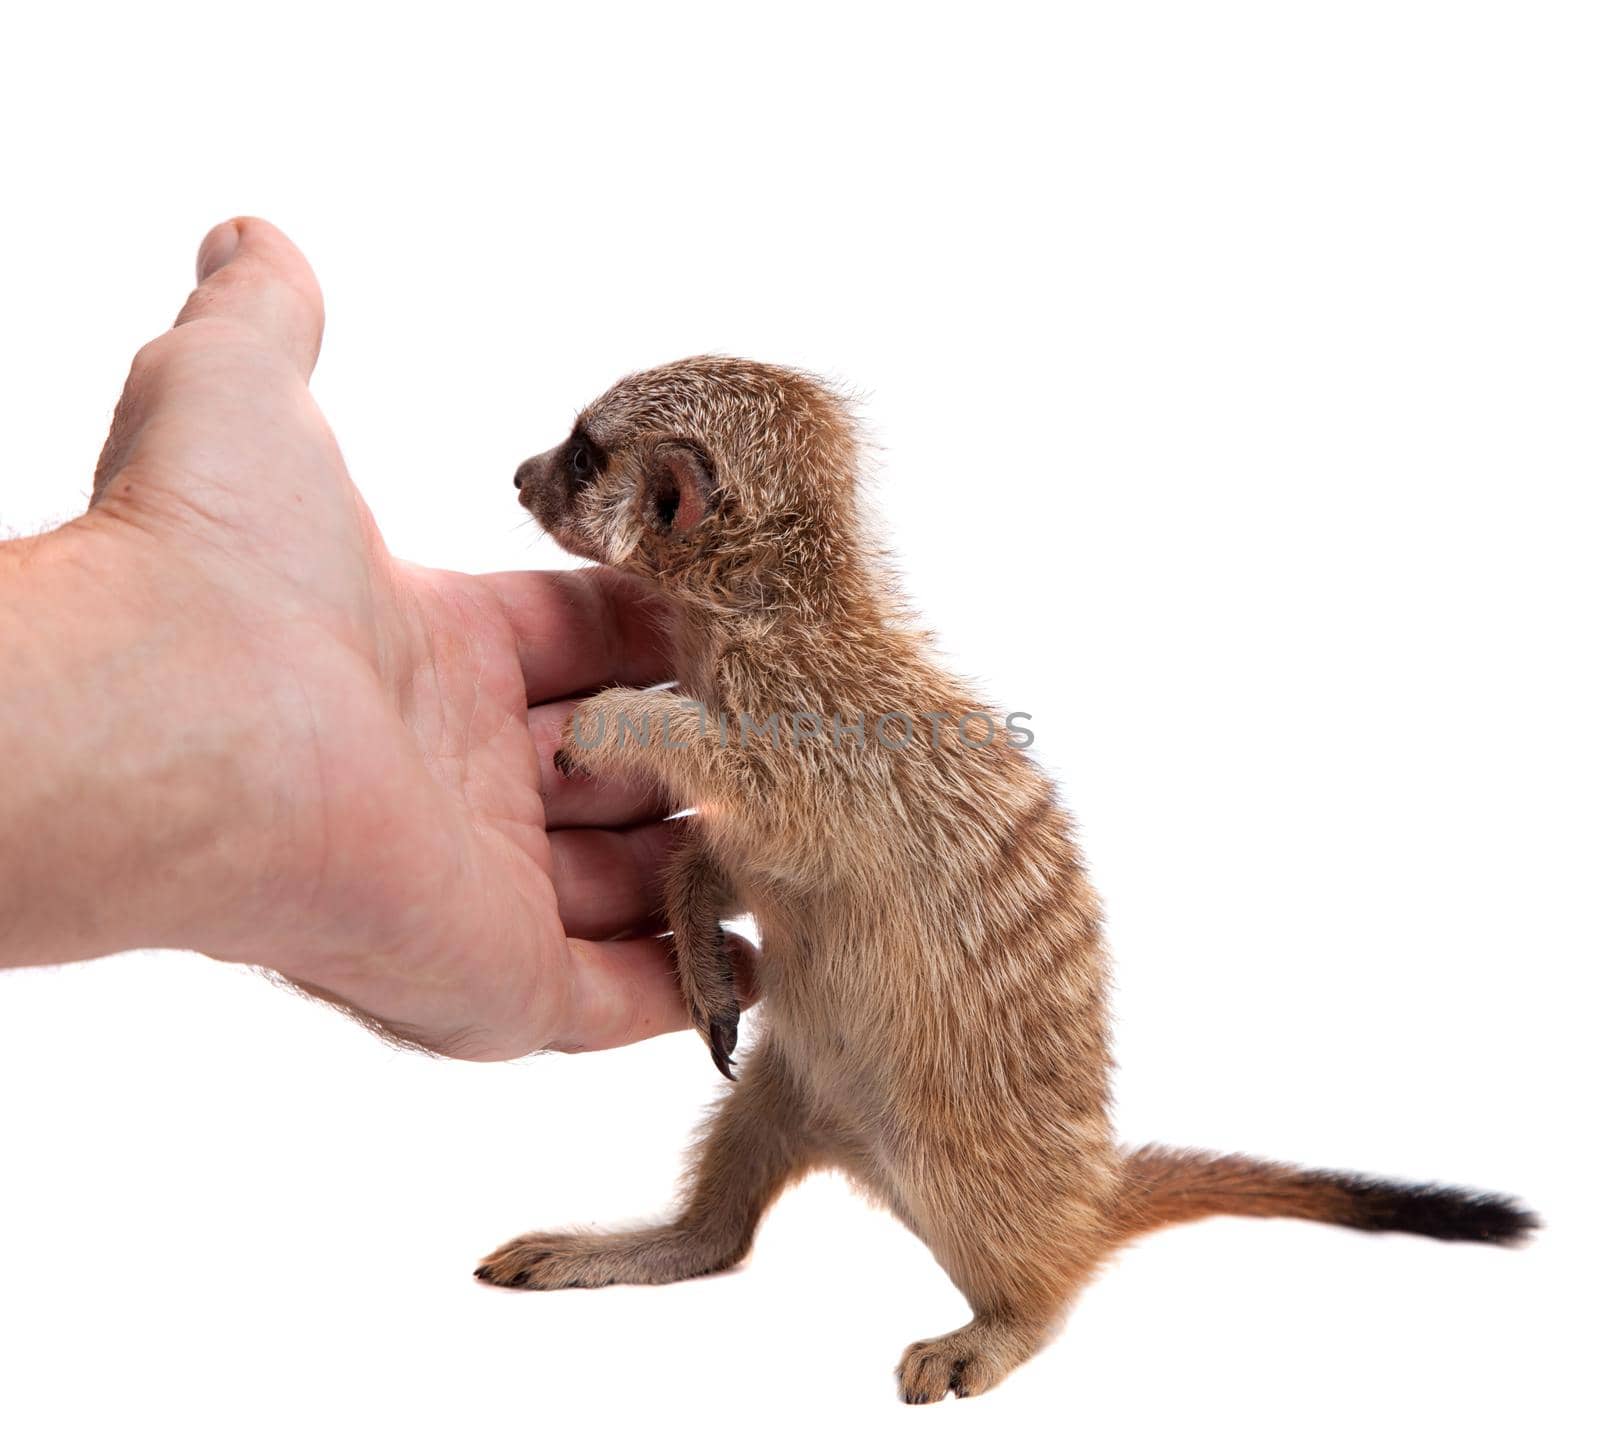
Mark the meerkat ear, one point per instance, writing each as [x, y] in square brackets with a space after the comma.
[677, 489]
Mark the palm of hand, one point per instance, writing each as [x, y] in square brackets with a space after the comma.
[395, 809]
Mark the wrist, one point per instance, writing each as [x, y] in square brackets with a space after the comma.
[120, 826]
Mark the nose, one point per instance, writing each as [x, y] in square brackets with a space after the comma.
[525, 473]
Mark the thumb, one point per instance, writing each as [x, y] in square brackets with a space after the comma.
[250, 273]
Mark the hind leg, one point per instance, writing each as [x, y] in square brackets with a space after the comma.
[1020, 1258]
[754, 1146]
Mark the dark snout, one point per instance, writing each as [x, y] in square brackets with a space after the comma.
[536, 478]
[544, 489]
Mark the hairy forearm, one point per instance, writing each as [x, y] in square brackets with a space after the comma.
[120, 773]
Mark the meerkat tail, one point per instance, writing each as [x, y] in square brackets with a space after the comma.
[1163, 1186]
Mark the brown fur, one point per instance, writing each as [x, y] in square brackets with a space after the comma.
[933, 971]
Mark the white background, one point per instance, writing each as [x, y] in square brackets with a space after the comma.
[1234, 369]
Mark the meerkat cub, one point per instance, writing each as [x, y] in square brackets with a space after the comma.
[933, 976]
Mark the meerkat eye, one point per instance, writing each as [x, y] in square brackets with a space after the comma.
[581, 463]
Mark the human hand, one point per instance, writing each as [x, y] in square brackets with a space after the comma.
[324, 760]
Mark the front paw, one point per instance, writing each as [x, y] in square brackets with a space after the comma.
[712, 993]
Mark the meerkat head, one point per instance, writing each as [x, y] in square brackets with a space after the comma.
[726, 483]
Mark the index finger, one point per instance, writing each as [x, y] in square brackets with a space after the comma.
[578, 630]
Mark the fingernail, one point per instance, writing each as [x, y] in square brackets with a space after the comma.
[217, 250]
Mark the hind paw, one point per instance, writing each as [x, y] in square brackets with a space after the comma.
[954, 1364]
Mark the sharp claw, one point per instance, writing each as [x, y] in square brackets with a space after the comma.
[563, 761]
[723, 1035]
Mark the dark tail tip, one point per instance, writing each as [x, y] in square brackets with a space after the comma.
[1435, 1211]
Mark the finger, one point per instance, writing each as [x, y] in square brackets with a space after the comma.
[581, 800]
[579, 629]
[621, 992]
[743, 956]
[251, 274]
[608, 883]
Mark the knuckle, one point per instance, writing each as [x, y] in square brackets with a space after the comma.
[152, 359]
